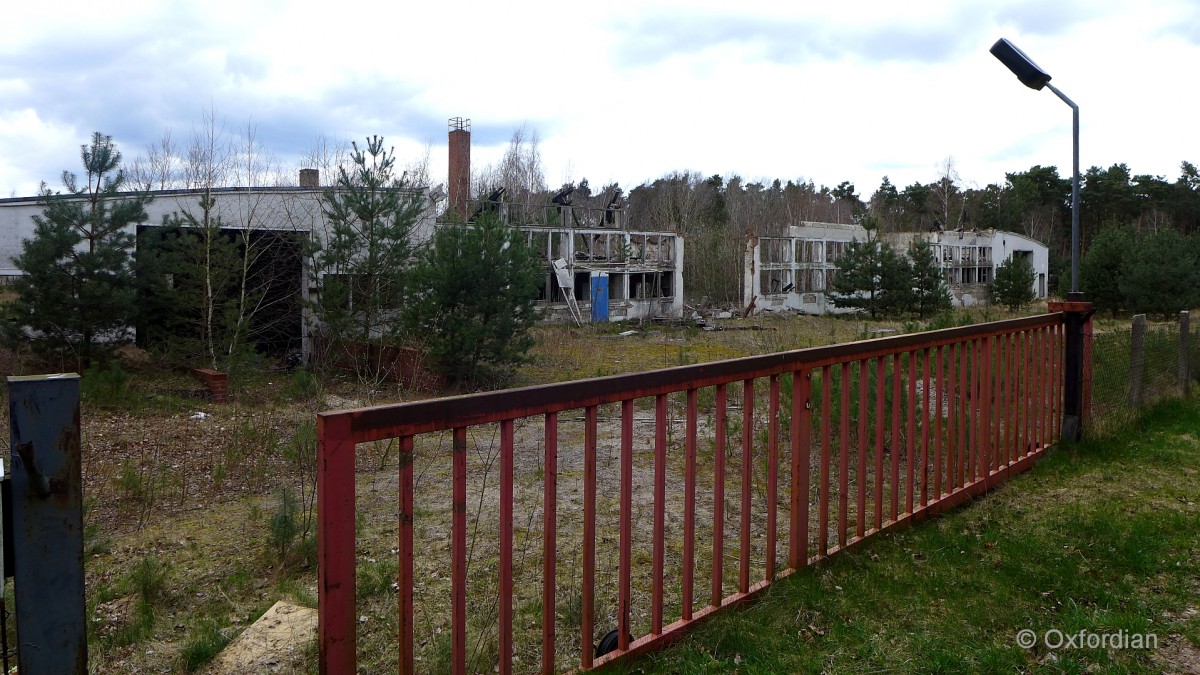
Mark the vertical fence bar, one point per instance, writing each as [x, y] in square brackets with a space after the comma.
[1038, 376]
[997, 401]
[1044, 384]
[772, 474]
[506, 546]
[1024, 401]
[718, 535]
[335, 534]
[844, 454]
[549, 543]
[823, 504]
[689, 506]
[623, 591]
[660, 498]
[938, 394]
[747, 475]
[974, 415]
[985, 450]
[910, 469]
[925, 415]
[895, 445]
[1014, 410]
[860, 479]
[951, 416]
[587, 629]
[880, 414]
[964, 420]
[1030, 407]
[1038, 383]
[1002, 427]
[407, 661]
[801, 452]
[458, 554]
[1059, 372]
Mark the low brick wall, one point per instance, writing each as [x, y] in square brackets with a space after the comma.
[218, 383]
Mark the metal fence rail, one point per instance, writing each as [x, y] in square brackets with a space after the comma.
[859, 438]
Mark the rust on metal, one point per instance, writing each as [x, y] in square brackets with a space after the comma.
[997, 386]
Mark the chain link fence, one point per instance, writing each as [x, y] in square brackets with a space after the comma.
[1135, 365]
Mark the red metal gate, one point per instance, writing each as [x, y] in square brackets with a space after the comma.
[878, 433]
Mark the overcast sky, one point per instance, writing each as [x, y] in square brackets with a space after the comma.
[617, 91]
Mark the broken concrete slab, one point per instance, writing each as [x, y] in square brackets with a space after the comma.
[276, 643]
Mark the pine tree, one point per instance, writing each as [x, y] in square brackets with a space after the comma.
[871, 276]
[364, 256]
[1103, 266]
[1013, 285]
[76, 297]
[930, 295]
[1162, 274]
[475, 295]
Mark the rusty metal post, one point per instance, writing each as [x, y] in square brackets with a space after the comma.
[47, 505]
[1076, 313]
[335, 545]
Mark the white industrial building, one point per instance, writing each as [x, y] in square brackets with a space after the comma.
[794, 272]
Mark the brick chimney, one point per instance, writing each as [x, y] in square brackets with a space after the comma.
[459, 183]
[310, 178]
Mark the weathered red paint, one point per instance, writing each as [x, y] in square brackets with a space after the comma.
[549, 540]
[844, 454]
[823, 485]
[689, 506]
[880, 414]
[718, 540]
[660, 498]
[1000, 383]
[407, 658]
[747, 475]
[626, 508]
[860, 475]
[506, 546]
[587, 630]
[458, 556]
[335, 545]
[772, 474]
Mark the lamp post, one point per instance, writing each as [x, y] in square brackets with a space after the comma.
[1076, 312]
[1032, 76]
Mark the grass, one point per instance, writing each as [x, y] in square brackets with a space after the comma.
[197, 495]
[1101, 536]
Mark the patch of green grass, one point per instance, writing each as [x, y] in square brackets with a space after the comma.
[1101, 536]
[203, 644]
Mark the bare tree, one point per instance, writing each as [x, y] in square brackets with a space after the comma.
[519, 171]
[948, 198]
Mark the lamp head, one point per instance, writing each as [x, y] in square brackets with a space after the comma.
[1029, 73]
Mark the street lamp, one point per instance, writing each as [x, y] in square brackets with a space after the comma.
[1075, 312]
[1032, 76]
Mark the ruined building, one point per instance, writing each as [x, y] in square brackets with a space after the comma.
[794, 272]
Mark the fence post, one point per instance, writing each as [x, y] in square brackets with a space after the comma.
[335, 545]
[1137, 362]
[1076, 313]
[1183, 376]
[47, 523]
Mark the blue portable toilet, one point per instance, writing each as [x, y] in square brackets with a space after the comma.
[599, 297]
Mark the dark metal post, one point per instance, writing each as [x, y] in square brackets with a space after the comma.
[1075, 315]
[1074, 189]
[47, 504]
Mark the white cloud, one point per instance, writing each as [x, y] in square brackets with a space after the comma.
[625, 91]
